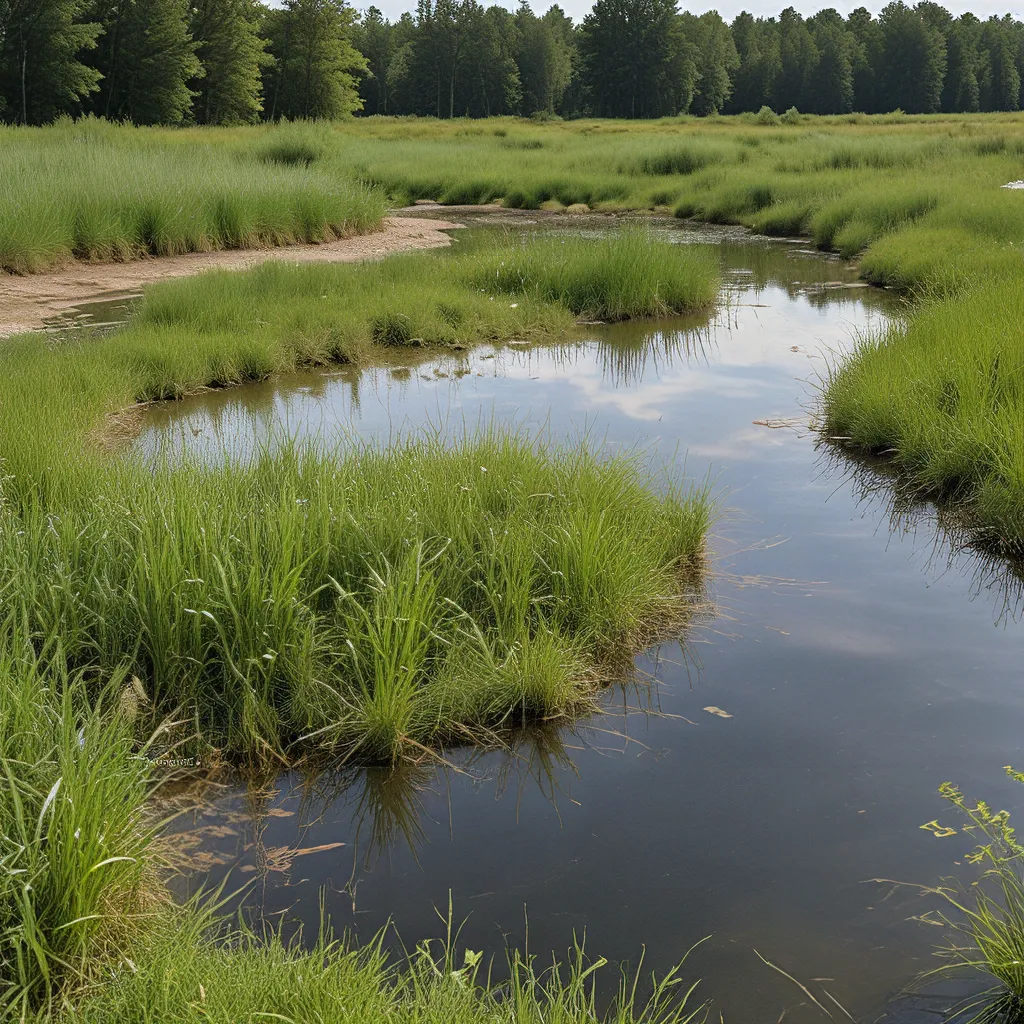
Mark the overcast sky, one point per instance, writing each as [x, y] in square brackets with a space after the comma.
[576, 9]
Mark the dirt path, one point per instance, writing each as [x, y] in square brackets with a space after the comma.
[27, 302]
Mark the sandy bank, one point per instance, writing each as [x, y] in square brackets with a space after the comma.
[27, 302]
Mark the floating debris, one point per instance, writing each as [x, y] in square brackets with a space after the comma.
[712, 710]
[778, 424]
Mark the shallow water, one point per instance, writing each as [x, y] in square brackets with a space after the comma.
[862, 663]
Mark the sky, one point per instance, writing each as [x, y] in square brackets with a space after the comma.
[728, 9]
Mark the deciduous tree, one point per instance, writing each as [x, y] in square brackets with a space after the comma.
[43, 72]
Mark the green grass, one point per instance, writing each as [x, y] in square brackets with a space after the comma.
[985, 920]
[360, 602]
[622, 277]
[186, 975]
[366, 603]
[88, 934]
[942, 397]
[93, 191]
[73, 829]
[370, 601]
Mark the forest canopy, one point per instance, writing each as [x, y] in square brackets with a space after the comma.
[240, 61]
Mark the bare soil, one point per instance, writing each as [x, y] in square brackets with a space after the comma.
[26, 303]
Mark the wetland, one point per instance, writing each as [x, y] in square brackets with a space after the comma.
[856, 655]
[580, 579]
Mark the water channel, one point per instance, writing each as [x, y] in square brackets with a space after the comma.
[863, 657]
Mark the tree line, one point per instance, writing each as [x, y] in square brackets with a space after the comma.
[240, 61]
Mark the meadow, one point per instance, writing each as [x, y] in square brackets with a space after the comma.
[374, 604]
[916, 200]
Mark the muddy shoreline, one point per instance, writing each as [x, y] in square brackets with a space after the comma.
[26, 303]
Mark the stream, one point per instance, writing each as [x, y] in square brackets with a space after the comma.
[855, 656]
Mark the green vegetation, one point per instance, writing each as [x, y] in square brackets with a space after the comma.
[87, 934]
[95, 191]
[366, 603]
[942, 397]
[986, 919]
[235, 61]
[73, 829]
[940, 227]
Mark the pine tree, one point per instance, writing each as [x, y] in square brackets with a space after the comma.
[232, 55]
[798, 56]
[637, 61]
[867, 60]
[316, 67]
[960, 90]
[372, 37]
[147, 58]
[568, 82]
[757, 43]
[830, 83]
[490, 85]
[913, 60]
[1000, 80]
[544, 61]
[41, 70]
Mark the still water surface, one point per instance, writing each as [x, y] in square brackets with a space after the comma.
[861, 660]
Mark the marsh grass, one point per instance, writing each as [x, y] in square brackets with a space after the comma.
[371, 602]
[941, 398]
[95, 191]
[74, 834]
[189, 968]
[88, 933]
[624, 276]
[985, 919]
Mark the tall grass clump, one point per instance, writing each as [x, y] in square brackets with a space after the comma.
[369, 602]
[942, 398]
[93, 191]
[631, 274]
[74, 834]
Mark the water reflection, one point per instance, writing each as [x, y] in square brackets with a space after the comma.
[856, 672]
[944, 541]
[263, 827]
